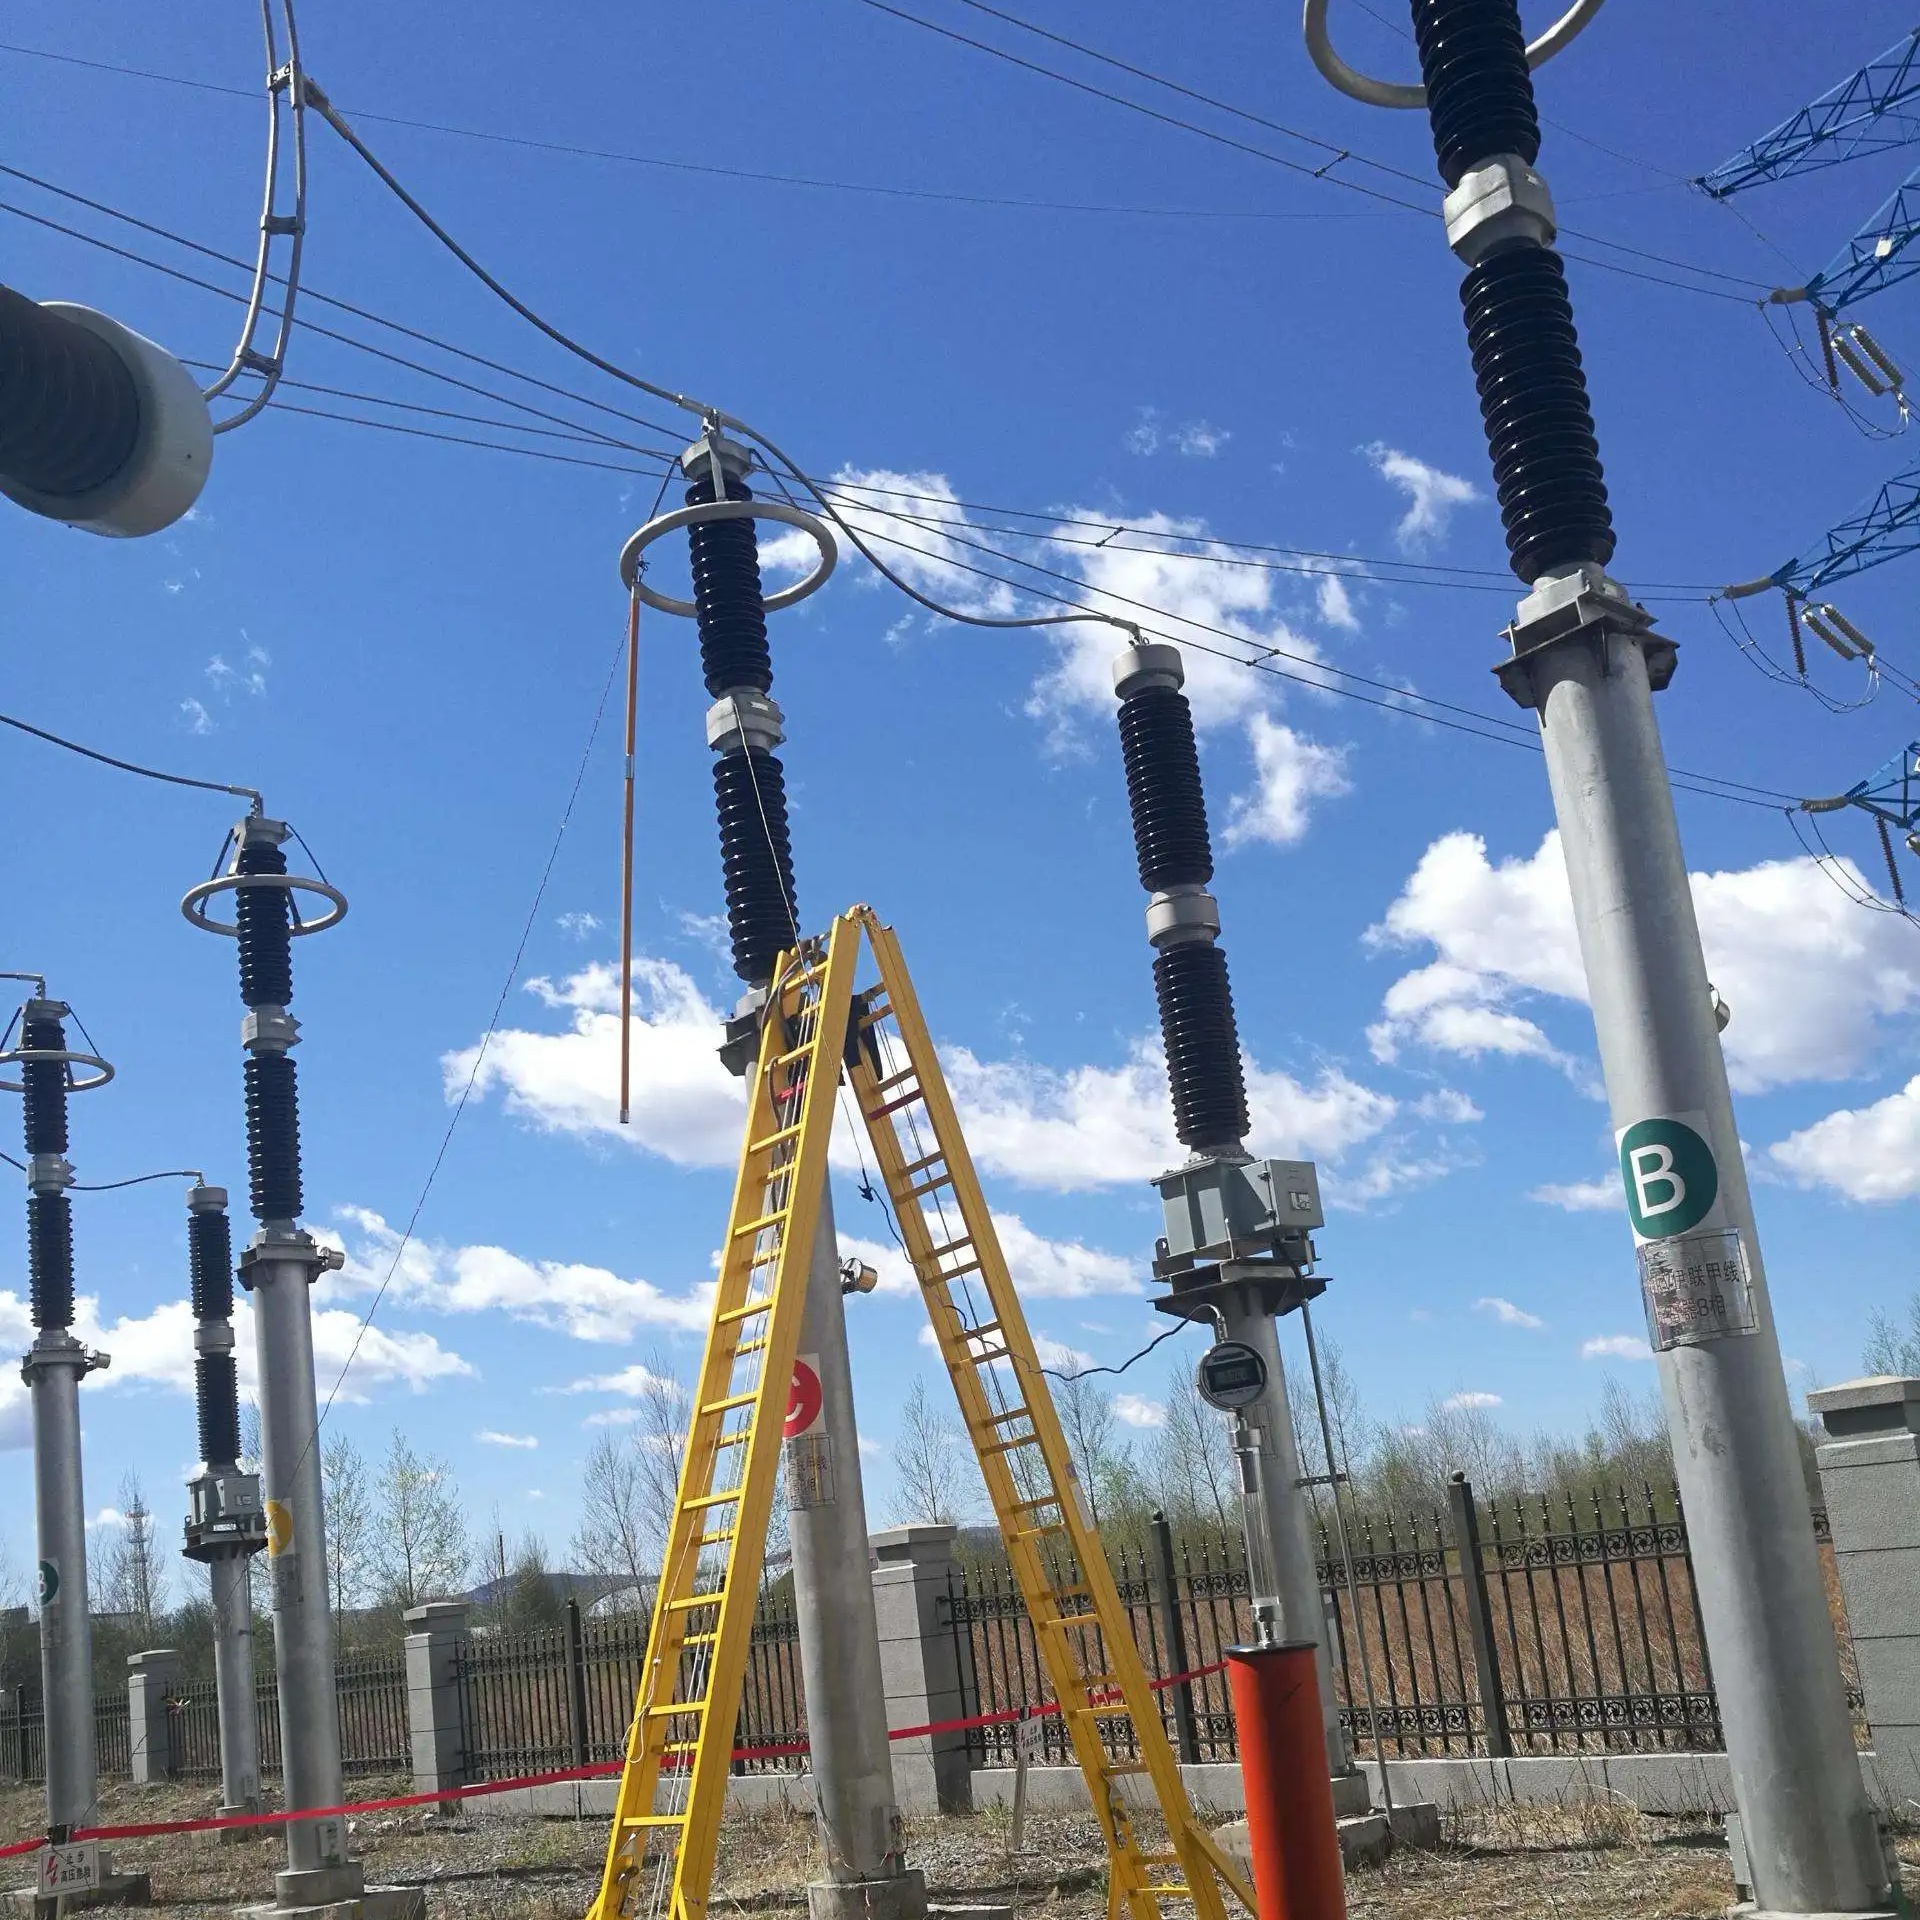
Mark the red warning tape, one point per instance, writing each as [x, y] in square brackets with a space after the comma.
[147, 1829]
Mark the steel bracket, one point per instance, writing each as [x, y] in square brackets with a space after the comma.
[1584, 608]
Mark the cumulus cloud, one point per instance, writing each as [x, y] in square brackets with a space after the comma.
[1811, 980]
[586, 1302]
[1293, 772]
[1336, 605]
[916, 523]
[1132, 1410]
[1604, 1195]
[155, 1350]
[1060, 1357]
[487, 1437]
[576, 926]
[1470, 1402]
[1432, 495]
[1869, 1153]
[1507, 1313]
[1152, 433]
[1615, 1346]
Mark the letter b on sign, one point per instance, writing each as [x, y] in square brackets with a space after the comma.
[1671, 1179]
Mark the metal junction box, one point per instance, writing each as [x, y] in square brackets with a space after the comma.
[1220, 1209]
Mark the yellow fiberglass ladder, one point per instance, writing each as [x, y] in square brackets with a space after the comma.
[673, 1788]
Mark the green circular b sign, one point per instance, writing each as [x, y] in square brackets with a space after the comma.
[49, 1582]
[1671, 1179]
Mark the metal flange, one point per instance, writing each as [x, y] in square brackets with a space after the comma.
[791, 516]
[103, 1071]
[195, 909]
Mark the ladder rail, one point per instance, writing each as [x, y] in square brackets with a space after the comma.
[782, 1173]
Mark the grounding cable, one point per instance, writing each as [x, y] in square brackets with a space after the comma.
[130, 766]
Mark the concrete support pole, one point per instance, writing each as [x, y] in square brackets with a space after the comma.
[867, 1878]
[280, 1267]
[1811, 1836]
[1283, 1507]
[52, 1370]
[233, 1683]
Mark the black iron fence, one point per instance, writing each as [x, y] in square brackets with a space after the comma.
[563, 1697]
[1537, 1624]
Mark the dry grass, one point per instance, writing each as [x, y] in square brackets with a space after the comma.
[1599, 1860]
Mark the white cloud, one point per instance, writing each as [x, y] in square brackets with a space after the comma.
[1336, 605]
[928, 550]
[1615, 1346]
[489, 1438]
[1042, 1268]
[1196, 439]
[686, 1106]
[1432, 496]
[589, 1303]
[1604, 1195]
[1293, 772]
[1449, 1106]
[633, 1381]
[155, 1349]
[1134, 1411]
[1470, 1402]
[1869, 1153]
[1810, 978]
[198, 719]
[1507, 1313]
[576, 926]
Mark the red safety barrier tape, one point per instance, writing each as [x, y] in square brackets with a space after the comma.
[148, 1829]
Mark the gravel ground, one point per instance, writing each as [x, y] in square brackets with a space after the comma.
[1602, 1862]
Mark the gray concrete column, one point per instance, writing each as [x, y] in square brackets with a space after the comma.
[920, 1667]
[434, 1635]
[153, 1680]
[1870, 1474]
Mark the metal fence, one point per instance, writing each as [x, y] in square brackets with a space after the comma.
[1535, 1624]
[370, 1691]
[23, 1735]
[563, 1697]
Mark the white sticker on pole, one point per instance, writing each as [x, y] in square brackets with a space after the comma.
[804, 1397]
[1694, 1277]
[71, 1869]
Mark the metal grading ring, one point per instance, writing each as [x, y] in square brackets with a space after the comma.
[728, 510]
[100, 1078]
[194, 905]
[1390, 93]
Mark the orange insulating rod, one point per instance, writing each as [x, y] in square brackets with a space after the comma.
[1297, 1873]
[626, 860]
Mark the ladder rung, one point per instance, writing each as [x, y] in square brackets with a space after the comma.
[1000, 1420]
[944, 1274]
[1114, 1768]
[752, 1347]
[1179, 1890]
[801, 1052]
[747, 1312]
[952, 1246]
[727, 1405]
[988, 1358]
[925, 1187]
[738, 1438]
[654, 1820]
[730, 1497]
[1033, 1506]
[893, 1106]
[676, 1710]
[1007, 1446]
[765, 1221]
[707, 1540]
[698, 1639]
[920, 1166]
[1040, 1532]
[680, 1746]
[769, 1140]
[1065, 1620]
[694, 1602]
[893, 1080]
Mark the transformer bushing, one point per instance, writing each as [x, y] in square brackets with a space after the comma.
[1237, 1253]
[226, 1525]
[1585, 658]
[852, 1766]
[53, 1368]
[279, 1267]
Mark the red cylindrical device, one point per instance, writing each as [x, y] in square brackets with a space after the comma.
[1297, 1873]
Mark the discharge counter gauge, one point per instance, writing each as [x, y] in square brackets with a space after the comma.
[1232, 1375]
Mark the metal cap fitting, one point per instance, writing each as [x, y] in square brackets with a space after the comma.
[268, 1030]
[40, 1008]
[213, 1336]
[1501, 202]
[1178, 916]
[1147, 663]
[744, 717]
[257, 830]
[714, 445]
[202, 1198]
[49, 1173]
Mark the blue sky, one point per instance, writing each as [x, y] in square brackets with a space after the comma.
[404, 642]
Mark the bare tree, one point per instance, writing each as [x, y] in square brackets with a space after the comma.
[133, 1572]
[1892, 1349]
[347, 1499]
[419, 1549]
[630, 1483]
[933, 1468]
[1102, 1461]
[1193, 1460]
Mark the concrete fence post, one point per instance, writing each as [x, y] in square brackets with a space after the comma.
[434, 1730]
[153, 1680]
[1870, 1475]
[920, 1667]
[1473, 1583]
